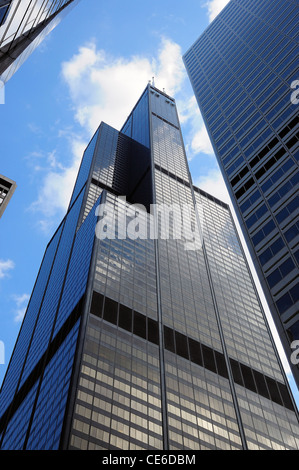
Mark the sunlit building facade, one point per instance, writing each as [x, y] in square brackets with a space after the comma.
[23, 26]
[244, 72]
[150, 337]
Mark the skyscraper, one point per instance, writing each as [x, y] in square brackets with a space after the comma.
[142, 331]
[7, 188]
[23, 26]
[244, 72]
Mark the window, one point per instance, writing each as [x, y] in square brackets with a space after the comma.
[3, 12]
[291, 207]
[244, 188]
[271, 251]
[277, 175]
[293, 331]
[292, 232]
[262, 210]
[261, 234]
[250, 201]
[279, 273]
[288, 299]
[288, 186]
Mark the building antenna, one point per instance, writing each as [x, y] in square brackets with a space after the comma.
[153, 81]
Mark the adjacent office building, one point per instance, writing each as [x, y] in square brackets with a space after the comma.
[144, 334]
[7, 188]
[244, 72]
[23, 26]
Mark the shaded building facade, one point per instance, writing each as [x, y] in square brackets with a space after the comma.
[23, 26]
[244, 72]
[138, 342]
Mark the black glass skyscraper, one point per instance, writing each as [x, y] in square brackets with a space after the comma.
[244, 72]
[138, 334]
[23, 26]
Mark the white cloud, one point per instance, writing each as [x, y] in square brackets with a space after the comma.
[57, 185]
[214, 184]
[105, 88]
[201, 141]
[5, 267]
[21, 304]
[102, 88]
[170, 70]
[214, 8]
[197, 138]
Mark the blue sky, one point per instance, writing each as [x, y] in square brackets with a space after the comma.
[93, 67]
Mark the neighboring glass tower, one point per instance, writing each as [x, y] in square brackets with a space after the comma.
[23, 26]
[244, 72]
[7, 188]
[143, 338]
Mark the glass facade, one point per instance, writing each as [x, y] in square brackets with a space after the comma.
[138, 342]
[23, 26]
[242, 69]
[35, 390]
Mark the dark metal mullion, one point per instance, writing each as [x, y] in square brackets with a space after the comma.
[159, 304]
[218, 318]
[70, 406]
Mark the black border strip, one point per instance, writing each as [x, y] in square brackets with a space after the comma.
[175, 342]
